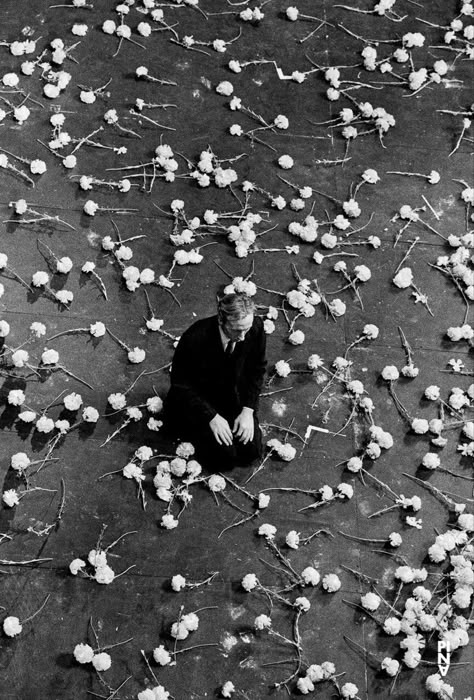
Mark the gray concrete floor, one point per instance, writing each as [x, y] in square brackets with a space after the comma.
[63, 518]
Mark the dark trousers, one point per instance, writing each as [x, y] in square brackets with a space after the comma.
[212, 456]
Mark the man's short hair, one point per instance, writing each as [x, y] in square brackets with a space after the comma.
[234, 307]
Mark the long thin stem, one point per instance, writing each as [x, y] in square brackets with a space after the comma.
[239, 522]
[125, 534]
[7, 562]
[31, 617]
[260, 466]
[148, 666]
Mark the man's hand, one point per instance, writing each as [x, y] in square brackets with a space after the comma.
[243, 426]
[221, 430]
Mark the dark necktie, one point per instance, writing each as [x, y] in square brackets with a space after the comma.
[229, 349]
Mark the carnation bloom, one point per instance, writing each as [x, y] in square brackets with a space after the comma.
[10, 498]
[296, 338]
[16, 397]
[282, 368]
[392, 626]
[420, 425]
[331, 583]
[90, 414]
[104, 574]
[370, 601]
[136, 355]
[395, 539]
[314, 361]
[169, 522]
[431, 460]
[72, 402]
[227, 689]
[50, 357]
[310, 576]
[156, 693]
[286, 452]
[403, 278]
[225, 88]
[76, 565]
[349, 690]
[390, 373]
[83, 653]
[268, 531]
[292, 539]
[370, 331]
[216, 483]
[249, 582]
[390, 666]
[262, 622]
[363, 273]
[302, 603]
[44, 424]
[354, 464]
[102, 661]
[161, 656]
[355, 387]
[286, 162]
[178, 582]
[12, 626]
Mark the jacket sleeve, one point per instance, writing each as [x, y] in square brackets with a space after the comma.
[183, 373]
[254, 368]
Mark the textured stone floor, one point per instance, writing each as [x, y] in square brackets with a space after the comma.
[67, 502]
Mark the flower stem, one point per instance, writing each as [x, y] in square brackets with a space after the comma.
[28, 619]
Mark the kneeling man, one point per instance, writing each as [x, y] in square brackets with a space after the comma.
[216, 379]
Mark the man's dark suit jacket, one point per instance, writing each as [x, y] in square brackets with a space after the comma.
[205, 382]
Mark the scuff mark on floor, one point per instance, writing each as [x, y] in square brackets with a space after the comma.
[450, 84]
[246, 638]
[93, 239]
[279, 407]
[236, 612]
[387, 578]
[364, 507]
[228, 641]
[444, 203]
[248, 663]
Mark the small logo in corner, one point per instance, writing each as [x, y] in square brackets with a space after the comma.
[444, 657]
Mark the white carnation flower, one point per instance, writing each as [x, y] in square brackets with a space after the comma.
[161, 656]
[296, 338]
[216, 483]
[249, 582]
[390, 373]
[225, 88]
[292, 539]
[310, 576]
[268, 531]
[286, 162]
[282, 368]
[12, 626]
[102, 661]
[262, 622]
[90, 414]
[83, 653]
[403, 278]
[169, 522]
[370, 601]
[10, 498]
[331, 583]
[74, 567]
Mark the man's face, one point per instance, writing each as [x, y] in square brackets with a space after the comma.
[236, 330]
